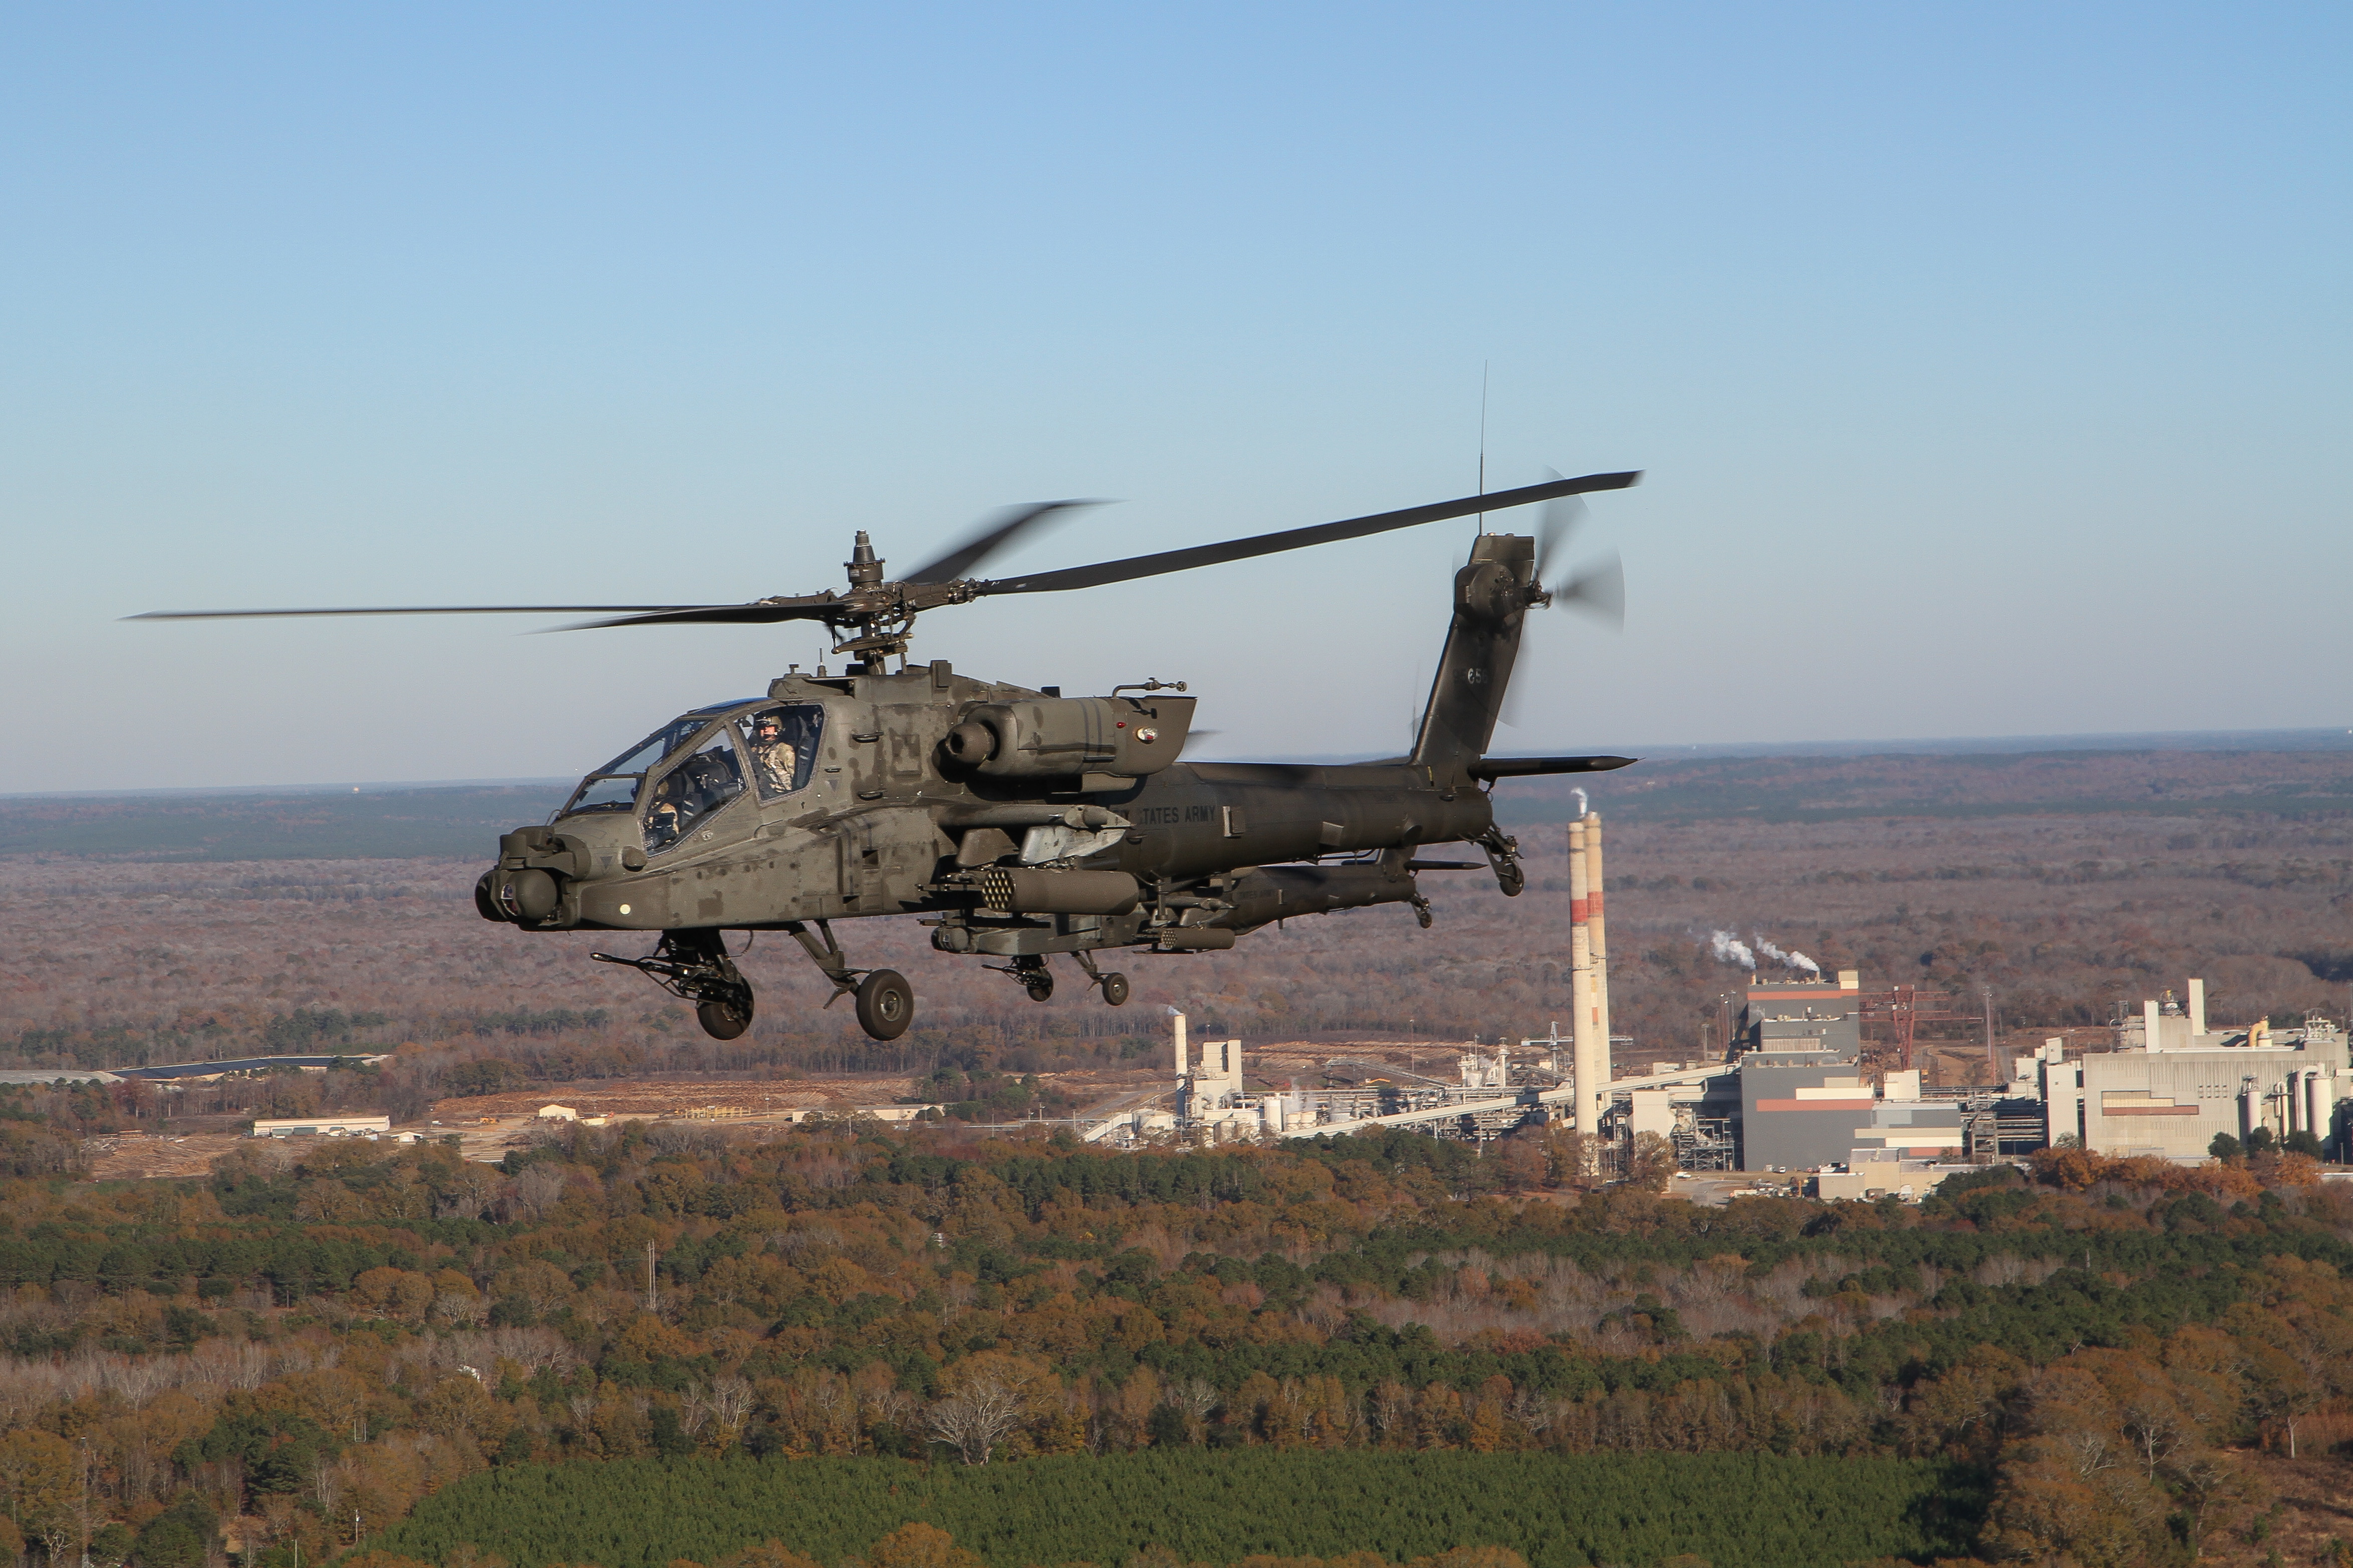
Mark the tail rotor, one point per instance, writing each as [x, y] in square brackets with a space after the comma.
[1597, 589]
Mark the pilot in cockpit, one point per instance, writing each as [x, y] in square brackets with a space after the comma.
[667, 818]
[772, 757]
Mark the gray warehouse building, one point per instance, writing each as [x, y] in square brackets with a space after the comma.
[1804, 1102]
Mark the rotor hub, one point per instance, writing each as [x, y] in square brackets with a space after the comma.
[865, 567]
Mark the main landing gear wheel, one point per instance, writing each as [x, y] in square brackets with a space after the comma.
[1114, 989]
[724, 1020]
[886, 1004]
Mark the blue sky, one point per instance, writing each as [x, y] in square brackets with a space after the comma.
[1987, 362]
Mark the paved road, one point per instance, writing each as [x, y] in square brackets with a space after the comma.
[242, 1064]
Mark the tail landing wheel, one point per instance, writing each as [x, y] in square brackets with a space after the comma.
[1114, 987]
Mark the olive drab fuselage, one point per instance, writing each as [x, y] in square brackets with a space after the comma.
[891, 823]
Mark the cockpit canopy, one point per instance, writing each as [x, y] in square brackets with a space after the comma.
[693, 766]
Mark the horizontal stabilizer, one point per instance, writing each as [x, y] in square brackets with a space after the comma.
[1526, 767]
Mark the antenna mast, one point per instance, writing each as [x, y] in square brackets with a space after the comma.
[1483, 440]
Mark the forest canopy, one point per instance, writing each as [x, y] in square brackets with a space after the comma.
[2089, 1357]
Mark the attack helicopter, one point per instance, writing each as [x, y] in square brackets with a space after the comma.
[1018, 824]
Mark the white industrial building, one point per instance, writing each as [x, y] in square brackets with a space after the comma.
[2172, 1083]
[330, 1124]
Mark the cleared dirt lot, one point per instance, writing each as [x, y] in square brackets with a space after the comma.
[130, 1156]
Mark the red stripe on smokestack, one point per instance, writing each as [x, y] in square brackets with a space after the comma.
[1593, 905]
[1578, 909]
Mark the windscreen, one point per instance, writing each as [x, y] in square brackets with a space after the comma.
[614, 786]
[683, 794]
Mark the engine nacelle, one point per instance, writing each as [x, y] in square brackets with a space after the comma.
[1064, 737]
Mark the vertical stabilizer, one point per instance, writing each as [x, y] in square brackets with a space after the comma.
[1481, 644]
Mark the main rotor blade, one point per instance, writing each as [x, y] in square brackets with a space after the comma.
[408, 610]
[809, 609]
[1298, 538]
[1002, 533]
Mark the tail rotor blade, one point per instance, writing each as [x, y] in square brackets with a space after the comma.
[1598, 591]
[1558, 519]
[1601, 592]
[1514, 709]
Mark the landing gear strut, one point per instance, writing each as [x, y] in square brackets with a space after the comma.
[1113, 985]
[885, 1002]
[693, 966]
[1503, 857]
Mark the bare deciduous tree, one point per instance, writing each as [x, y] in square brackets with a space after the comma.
[977, 1419]
[717, 1413]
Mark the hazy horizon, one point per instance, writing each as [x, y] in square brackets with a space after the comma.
[2303, 740]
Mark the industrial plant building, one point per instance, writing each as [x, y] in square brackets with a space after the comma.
[2172, 1083]
[329, 1124]
[1796, 1091]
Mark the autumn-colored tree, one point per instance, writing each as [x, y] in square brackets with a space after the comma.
[40, 1483]
[918, 1545]
[1650, 1163]
[394, 1293]
[770, 1553]
[2053, 1504]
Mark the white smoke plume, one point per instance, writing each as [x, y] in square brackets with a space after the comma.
[1581, 807]
[1787, 959]
[1730, 949]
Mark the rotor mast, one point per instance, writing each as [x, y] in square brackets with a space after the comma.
[876, 619]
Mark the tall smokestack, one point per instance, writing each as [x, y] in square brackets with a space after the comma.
[2197, 1007]
[1589, 1056]
[1594, 939]
[1179, 1020]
